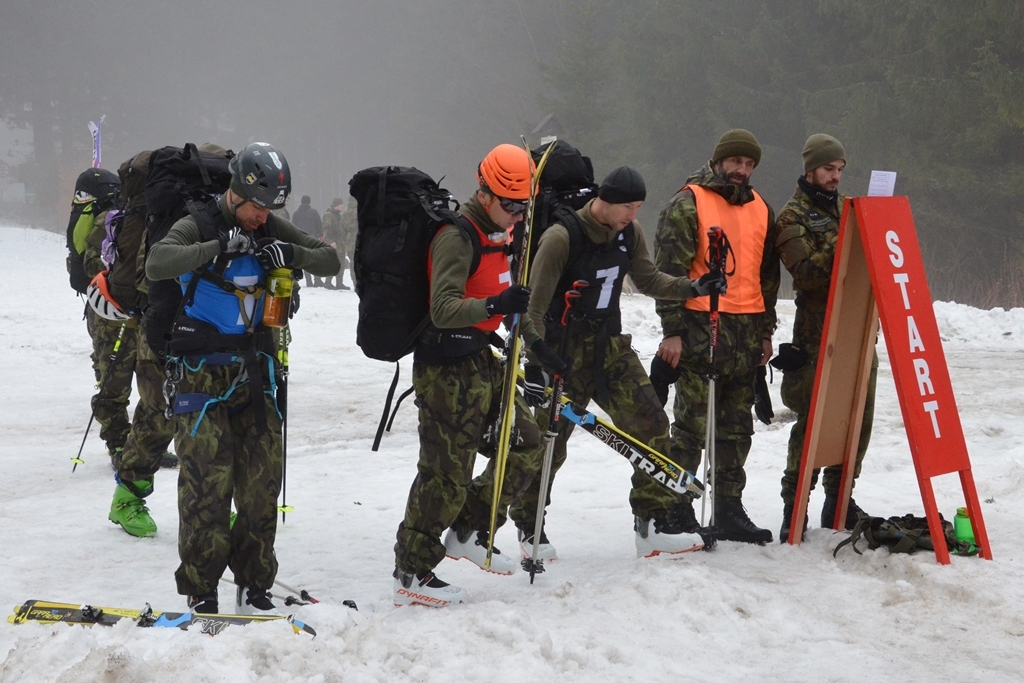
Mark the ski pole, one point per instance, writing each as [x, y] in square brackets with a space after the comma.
[284, 338]
[534, 565]
[718, 251]
[111, 359]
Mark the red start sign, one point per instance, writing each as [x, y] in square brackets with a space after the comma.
[878, 266]
[912, 336]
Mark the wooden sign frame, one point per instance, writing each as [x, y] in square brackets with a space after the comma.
[878, 274]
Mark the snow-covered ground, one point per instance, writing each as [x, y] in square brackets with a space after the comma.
[773, 613]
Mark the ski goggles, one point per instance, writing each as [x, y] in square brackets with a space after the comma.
[511, 206]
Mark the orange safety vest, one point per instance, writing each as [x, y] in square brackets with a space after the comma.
[491, 277]
[746, 227]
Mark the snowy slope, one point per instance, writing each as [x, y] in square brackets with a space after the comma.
[776, 613]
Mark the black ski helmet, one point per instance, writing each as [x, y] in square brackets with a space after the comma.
[99, 185]
[260, 174]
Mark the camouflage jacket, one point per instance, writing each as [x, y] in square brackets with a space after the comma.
[349, 221]
[675, 247]
[808, 232]
[332, 226]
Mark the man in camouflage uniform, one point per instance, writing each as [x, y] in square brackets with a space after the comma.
[145, 450]
[459, 385]
[110, 403]
[226, 373]
[719, 194]
[349, 226]
[808, 231]
[334, 235]
[601, 244]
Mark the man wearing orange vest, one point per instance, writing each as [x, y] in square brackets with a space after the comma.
[719, 194]
[458, 382]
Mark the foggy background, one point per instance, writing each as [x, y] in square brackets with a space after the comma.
[932, 90]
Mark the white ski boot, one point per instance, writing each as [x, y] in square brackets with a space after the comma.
[254, 601]
[545, 551]
[472, 545]
[656, 537]
[427, 590]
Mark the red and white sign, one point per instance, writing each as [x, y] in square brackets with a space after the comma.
[878, 266]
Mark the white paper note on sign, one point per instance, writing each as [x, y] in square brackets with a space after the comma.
[882, 183]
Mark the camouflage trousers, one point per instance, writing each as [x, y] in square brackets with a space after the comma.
[225, 455]
[457, 404]
[797, 387]
[631, 403]
[110, 403]
[737, 357]
[151, 432]
[345, 247]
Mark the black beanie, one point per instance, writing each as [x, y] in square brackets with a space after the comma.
[622, 186]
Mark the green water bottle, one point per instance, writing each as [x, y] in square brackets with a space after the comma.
[962, 526]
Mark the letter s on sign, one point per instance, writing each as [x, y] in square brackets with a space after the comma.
[892, 240]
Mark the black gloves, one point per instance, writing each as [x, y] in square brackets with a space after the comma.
[762, 399]
[548, 358]
[295, 299]
[710, 282]
[236, 242]
[515, 299]
[790, 359]
[537, 382]
[275, 255]
[662, 376]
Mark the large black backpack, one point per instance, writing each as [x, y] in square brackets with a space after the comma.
[400, 211]
[179, 181]
[96, 191]
[566, 184]
[125, 270]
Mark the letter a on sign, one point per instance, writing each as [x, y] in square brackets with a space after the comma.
[878, 273]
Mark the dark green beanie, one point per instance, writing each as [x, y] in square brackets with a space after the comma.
[821, 149]
[737, 143]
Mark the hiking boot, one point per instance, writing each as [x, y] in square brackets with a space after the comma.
[129, 510]
[204, 604]
[545, 551]
[426, 590]
[472, 545]
[666, 535]
[254, 601]
[787, 517]
[169, 460]
[828, 511]
[733, 524]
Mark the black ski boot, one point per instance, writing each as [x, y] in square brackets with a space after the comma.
[828, 511]
[787, 516]
[732, 523]
[685, 518]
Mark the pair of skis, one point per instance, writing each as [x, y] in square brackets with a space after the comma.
[211, 624]
[514, 351]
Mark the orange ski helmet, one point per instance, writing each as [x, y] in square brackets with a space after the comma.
[507, 172]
